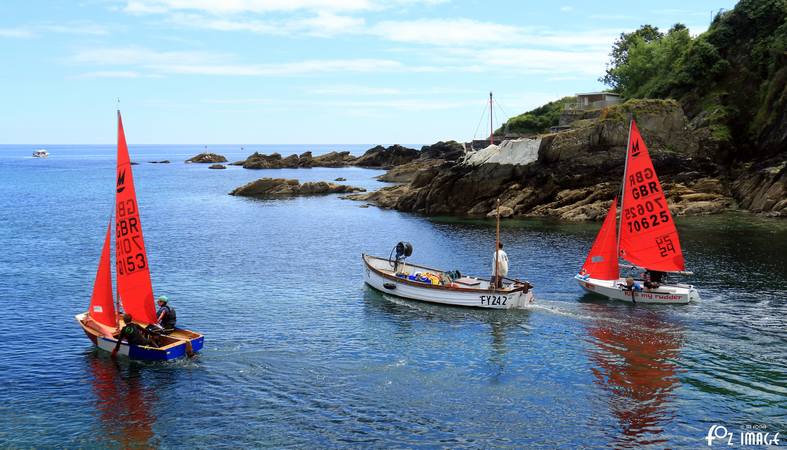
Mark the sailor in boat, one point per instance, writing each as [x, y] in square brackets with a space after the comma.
[631, 285]
[134, 334]
[166, 315]
[500, 260]
[652, 279]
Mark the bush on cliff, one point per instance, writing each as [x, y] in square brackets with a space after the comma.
[537, 120]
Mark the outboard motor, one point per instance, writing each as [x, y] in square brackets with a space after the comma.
[402, 251]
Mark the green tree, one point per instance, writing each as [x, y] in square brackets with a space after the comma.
[620, 51]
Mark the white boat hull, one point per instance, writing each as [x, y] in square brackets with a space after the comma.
[482, 297]
[677, 294]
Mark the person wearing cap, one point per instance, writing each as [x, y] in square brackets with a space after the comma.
[166, 314]
[133, 333]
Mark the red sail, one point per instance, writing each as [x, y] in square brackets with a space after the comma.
[133, 275]
[602, 261]
[102, 304]
[648, 237]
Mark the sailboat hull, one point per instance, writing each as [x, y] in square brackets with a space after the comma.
[177, 347]
[675, 294]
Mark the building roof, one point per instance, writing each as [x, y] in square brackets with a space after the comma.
[599, 93]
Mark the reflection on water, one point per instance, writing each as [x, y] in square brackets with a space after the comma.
[405, 313]
[123, 403]
[633, 357]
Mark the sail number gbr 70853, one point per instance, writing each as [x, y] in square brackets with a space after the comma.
[130, 251]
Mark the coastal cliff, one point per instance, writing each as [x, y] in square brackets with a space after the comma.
[576, 173]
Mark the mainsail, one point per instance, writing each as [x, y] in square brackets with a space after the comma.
[133, 275]
[648, 237]
[602, 261]
[102, 304]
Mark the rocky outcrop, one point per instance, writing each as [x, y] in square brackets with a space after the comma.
[333, 159]
[406, 173]
[763, 190]
[280, 187]
[447, 151]
[304, 160]
[376, 157]
[381, 157]
[207, 158]
[217, 166]
[163, 161]
[578, 172]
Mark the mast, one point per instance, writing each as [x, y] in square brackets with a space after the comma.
[491, 126]
[623, 185]
[497, 241]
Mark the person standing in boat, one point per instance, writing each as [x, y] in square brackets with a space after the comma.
[500, 262]
[166, 314]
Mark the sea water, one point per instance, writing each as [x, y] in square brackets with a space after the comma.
[298, 352]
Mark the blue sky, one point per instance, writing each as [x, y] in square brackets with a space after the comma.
[300, 71]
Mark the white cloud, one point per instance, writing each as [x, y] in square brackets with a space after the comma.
[566, 8]
[138, 56]
[203, 63]
[353, 90]
[323, 24]
[244, 6]
[445, 32]
[15, 33]
[34, 30]
[75, 28]
[111, 74]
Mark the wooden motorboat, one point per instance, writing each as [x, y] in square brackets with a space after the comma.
[417, 282]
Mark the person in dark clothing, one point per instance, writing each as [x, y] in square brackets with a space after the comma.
[134, 334]
[652, 278]
[166, 314]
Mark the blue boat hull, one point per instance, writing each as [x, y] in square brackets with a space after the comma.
[180, 339]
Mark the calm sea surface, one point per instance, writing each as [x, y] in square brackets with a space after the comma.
[298, 352]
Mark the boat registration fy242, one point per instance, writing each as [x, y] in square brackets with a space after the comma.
[494, 300]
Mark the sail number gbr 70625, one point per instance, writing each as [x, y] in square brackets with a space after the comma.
[649, 209]
[130, 249]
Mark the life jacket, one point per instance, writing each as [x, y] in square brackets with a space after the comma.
[170, 318]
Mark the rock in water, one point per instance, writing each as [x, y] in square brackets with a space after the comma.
[340, 179]
[217, 166]
[382, 157]
[163, 161]
[205, 158]
[277, 187]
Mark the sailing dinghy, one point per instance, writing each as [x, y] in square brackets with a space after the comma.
[646, 236]
[102, 321]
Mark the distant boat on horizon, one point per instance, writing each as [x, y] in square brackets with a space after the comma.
[40, 153]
